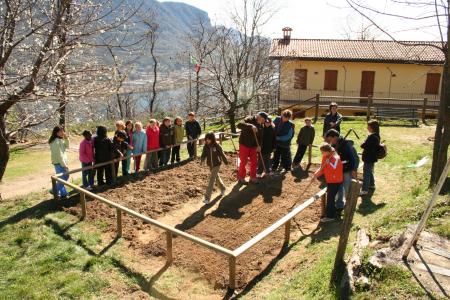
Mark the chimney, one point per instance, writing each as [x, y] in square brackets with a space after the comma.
[287, 33]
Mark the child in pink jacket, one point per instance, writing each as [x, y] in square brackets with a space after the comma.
[87, 159]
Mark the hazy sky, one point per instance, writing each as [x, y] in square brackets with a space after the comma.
[329, 18]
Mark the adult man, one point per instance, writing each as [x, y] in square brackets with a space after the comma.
[249, 140]
[350, 159]
[284, 132]
[193, 131]
[332, 120]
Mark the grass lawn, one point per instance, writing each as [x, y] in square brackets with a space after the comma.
[45, 253]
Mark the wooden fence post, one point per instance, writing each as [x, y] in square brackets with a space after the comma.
[83, 205]
[169, 252]
[424, 110]
[54, 189]
[369, 105]
[323, 205]
[316, 113]
[349, 211]
[232, 272]
[287, 232]
[119, 222]
[204, 124]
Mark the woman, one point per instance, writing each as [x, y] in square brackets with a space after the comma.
[369, 156]
[126, 164]
[332, 120]
[59, 142]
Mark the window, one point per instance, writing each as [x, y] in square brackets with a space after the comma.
[330, 83]
[432, 84]
[300, 78]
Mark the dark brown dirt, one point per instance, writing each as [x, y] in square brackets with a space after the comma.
[229, 222]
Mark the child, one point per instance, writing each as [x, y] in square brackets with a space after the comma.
[139, 141]
[305, 139]
[151, 159]
[178, 132]
[120, 148]
[103, 149]
[284, 130]
[86, 154]
[120, 126]
[193, 131]
[267, 146]
[129, 130]
[213, 154]
[369, 156]
[166, 140]
[59, 142]
[333, 170]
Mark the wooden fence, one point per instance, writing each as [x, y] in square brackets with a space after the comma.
[170, 231]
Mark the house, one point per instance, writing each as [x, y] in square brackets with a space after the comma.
[393, 74]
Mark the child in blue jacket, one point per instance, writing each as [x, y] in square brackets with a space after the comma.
[139, 145]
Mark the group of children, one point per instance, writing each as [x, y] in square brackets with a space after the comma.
[263, 142]
[129, 139]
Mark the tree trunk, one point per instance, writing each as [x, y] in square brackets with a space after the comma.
[4, 145]
[442, 134]
[197, 91]
[232, 119]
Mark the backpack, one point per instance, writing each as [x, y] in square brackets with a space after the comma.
[381, 151]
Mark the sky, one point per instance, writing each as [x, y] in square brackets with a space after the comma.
[331, 19]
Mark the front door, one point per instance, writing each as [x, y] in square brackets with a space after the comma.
[367, 84]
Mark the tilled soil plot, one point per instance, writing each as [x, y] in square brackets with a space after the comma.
[230, 221]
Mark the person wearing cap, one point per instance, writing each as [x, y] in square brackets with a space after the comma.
[249, 140]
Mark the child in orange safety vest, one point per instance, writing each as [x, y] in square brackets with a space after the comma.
[332, 169]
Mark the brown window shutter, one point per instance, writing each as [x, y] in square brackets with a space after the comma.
[432, 84]
[300, 79]
[330, 83]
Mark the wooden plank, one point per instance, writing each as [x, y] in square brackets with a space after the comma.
[277, 224]
[146, 219]
[433, 268]
[438, 251]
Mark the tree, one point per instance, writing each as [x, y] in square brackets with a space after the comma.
[239, 63]
[202, 42]
[50, 51]
[434, 17]
[152, 37]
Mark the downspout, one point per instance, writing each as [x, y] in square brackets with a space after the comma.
[345, 79]
[390, 81]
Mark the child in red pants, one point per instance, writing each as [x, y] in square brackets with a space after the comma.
[248, 145]
[333, 170]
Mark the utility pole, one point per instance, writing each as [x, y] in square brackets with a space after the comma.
[190, 81]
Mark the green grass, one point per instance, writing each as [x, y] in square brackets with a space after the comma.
[53, 253]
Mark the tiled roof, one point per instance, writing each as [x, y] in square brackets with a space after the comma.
[357, 50]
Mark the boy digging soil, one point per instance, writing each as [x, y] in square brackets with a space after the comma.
[213, 154]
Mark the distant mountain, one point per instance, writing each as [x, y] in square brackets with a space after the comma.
[176, 21]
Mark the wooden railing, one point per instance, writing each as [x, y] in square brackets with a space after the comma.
[367, 103]
[171, 231]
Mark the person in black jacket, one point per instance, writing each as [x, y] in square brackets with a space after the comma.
[332, 120]
[267, 146]
[166, 140]
[305, 139]
[120, 148]
[369, 156]
[193, 131]
[103, 147]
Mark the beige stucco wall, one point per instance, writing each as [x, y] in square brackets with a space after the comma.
[409, 80]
